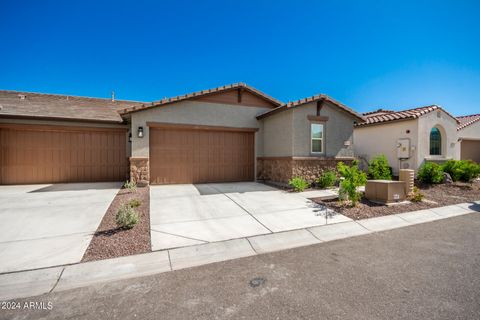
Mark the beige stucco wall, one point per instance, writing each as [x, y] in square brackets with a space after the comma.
[337, 130]
[277, 135]
[373, 140]
[195, 112]
[470, 132]
[448, 129]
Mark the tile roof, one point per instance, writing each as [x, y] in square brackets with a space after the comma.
[200, 94]
[60, 107]
[382, 116]
[304, 101]
[465, 121]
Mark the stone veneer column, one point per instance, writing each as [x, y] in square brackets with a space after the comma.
[139, 170]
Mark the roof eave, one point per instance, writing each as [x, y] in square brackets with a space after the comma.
[52, 118]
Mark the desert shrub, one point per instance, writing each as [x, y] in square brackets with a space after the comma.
[416, 195]
[126, 217]
[130, 185]
[134, 203]
[461, 170]
[298, 184]
[327, 179]
[379, 168]
[430, 172]
[353, 178]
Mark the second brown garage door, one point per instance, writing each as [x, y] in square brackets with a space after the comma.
[54, 154]
[200, 155]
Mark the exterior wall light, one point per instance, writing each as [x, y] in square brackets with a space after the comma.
[140, 132]
[129, 137]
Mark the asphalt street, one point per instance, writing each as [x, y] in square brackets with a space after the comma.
[426, 271]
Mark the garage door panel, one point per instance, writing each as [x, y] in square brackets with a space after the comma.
[52, 155]
[195, 156]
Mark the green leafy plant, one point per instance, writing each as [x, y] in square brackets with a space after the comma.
[134, 203]
[416, 195]
[430, 172]
[126, 217]
[130, 185]
[379, 168]
[352, 179]
[327, 179]
[298, 184]
[461, 170]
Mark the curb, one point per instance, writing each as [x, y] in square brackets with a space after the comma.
[24, 284]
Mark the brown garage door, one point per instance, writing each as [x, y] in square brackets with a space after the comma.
[195, 156]
[470, 150]
[49, 154]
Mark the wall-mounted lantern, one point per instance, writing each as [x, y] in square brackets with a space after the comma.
[129, 137]
[140, 132]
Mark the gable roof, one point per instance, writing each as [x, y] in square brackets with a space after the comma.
[304, 101]
[465, 121]
[381, 116]
[16, 104]
[202, 93]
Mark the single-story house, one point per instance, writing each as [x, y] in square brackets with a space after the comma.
[229, 133]
[408, 138]
[469, 135]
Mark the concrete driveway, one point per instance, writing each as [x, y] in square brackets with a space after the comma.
[48, 225]
[183, 215]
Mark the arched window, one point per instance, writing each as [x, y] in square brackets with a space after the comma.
[435, 142]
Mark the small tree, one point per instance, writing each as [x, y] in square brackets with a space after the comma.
[353, 178]
[379, 168]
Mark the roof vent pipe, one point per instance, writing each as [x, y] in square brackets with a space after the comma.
[113, 96]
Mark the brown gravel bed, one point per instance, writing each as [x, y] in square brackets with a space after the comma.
[110, 241]
[442, 194]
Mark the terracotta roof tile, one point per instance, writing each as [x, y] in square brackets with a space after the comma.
[383, 116]
[465, 121]
[202, 93]
[61, 107]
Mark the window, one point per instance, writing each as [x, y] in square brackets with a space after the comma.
[435, 142]
[317, 137]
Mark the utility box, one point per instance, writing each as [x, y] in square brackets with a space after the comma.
[385, 191]
[407, 176]
[403, 148]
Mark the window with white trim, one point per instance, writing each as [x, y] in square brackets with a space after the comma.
[316, 135]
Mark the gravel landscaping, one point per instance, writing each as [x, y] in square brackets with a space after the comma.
[109, 241]
[435, 196]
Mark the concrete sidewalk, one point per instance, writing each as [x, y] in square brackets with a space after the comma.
[36, 282]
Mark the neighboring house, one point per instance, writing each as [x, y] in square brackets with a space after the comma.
[408, 138]
[230, 133]
[469, 135]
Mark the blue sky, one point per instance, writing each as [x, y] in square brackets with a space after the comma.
[366, 54]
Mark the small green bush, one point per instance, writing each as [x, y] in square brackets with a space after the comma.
[134, 203]
[353, 178]
[430, 172]
[379, 168]
[130, 185]
[298, 184]
[461, 170]
[416, 195]
[327, 179]
[126, 217]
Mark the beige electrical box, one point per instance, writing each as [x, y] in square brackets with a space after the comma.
[403, 148]
[385, 191]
